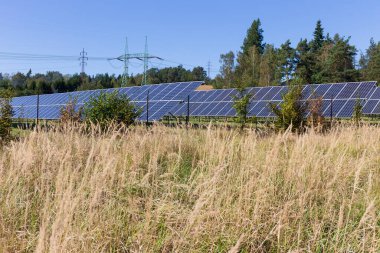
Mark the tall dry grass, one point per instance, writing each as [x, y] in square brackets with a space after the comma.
[181, 190]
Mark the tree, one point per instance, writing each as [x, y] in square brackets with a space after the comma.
[198, 74]
[305, 60]
[19, 80]
[293, 110]
[254, 38]
[358, 112]
[43, 87]
[6, 113]
[319, 37]
[268, 67]
[337, 62]
[315, 106]
[248, 68]
[241, 105]
[286, 61]
[108, 108]
[69, 113]
[370, 62]
[227, 69]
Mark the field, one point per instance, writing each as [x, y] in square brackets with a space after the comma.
[196, 190]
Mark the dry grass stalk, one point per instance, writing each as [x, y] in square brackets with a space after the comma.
[191, 190]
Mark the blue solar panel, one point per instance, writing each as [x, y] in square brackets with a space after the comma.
[348, 109]
[168, 96]
[259, 95]
[280, 93]
[271, 93]
[376, 109]
[224, 108]
[334, 90]
[215, 109]
[375, 94]
[319, 90]
[172, 98]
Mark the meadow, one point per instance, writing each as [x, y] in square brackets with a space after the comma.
[191, 190]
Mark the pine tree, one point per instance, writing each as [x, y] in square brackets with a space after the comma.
[319, 37]
[254, 38]
[248, 68]
[370, 62]
[268, 66]
[286, 61]
[305, 60]
[336, 61]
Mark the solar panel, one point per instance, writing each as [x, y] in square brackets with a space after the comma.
[171, 98]
[343, 95]
[162, 98]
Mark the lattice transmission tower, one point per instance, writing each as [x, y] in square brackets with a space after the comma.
[83, 60]
[144, 57]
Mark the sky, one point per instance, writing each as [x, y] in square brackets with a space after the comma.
[192, 33]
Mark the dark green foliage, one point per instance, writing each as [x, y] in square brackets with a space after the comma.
[305, 60]
[370, 62]
[269, 73]
[6, 114]
[292, 111]
[336, 62]
[254, 38]
[319, 37]
[286, 61]
[358, 112]
[173, 74]
[241, 105]
[108, 108]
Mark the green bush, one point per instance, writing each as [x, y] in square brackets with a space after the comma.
[108, 108]
[6, 113]
[358, 112]
[241, 105]
[292, 111]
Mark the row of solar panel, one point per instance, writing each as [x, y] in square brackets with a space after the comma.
[167, 99]
[162, 98]
[275, 93]
[340, 108]
[159, 92]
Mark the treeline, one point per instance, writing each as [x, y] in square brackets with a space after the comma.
[324, 59]
[54, 81]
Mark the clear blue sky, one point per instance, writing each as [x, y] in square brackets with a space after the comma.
[188, 32]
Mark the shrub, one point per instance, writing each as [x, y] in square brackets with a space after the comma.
[293, 109]
[358, 112]
[68, 114]
[241, 105]
[6, 113]
[108, 108]
[315, 108]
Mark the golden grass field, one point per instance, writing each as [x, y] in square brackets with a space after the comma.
[178, 190]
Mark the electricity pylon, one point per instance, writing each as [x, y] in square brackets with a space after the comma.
[144, 57]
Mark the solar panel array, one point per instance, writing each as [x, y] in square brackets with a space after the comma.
[340, 97]
[162, 97]
[372, 106]
[338, 100]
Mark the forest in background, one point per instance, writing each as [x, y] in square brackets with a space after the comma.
[323, 59]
